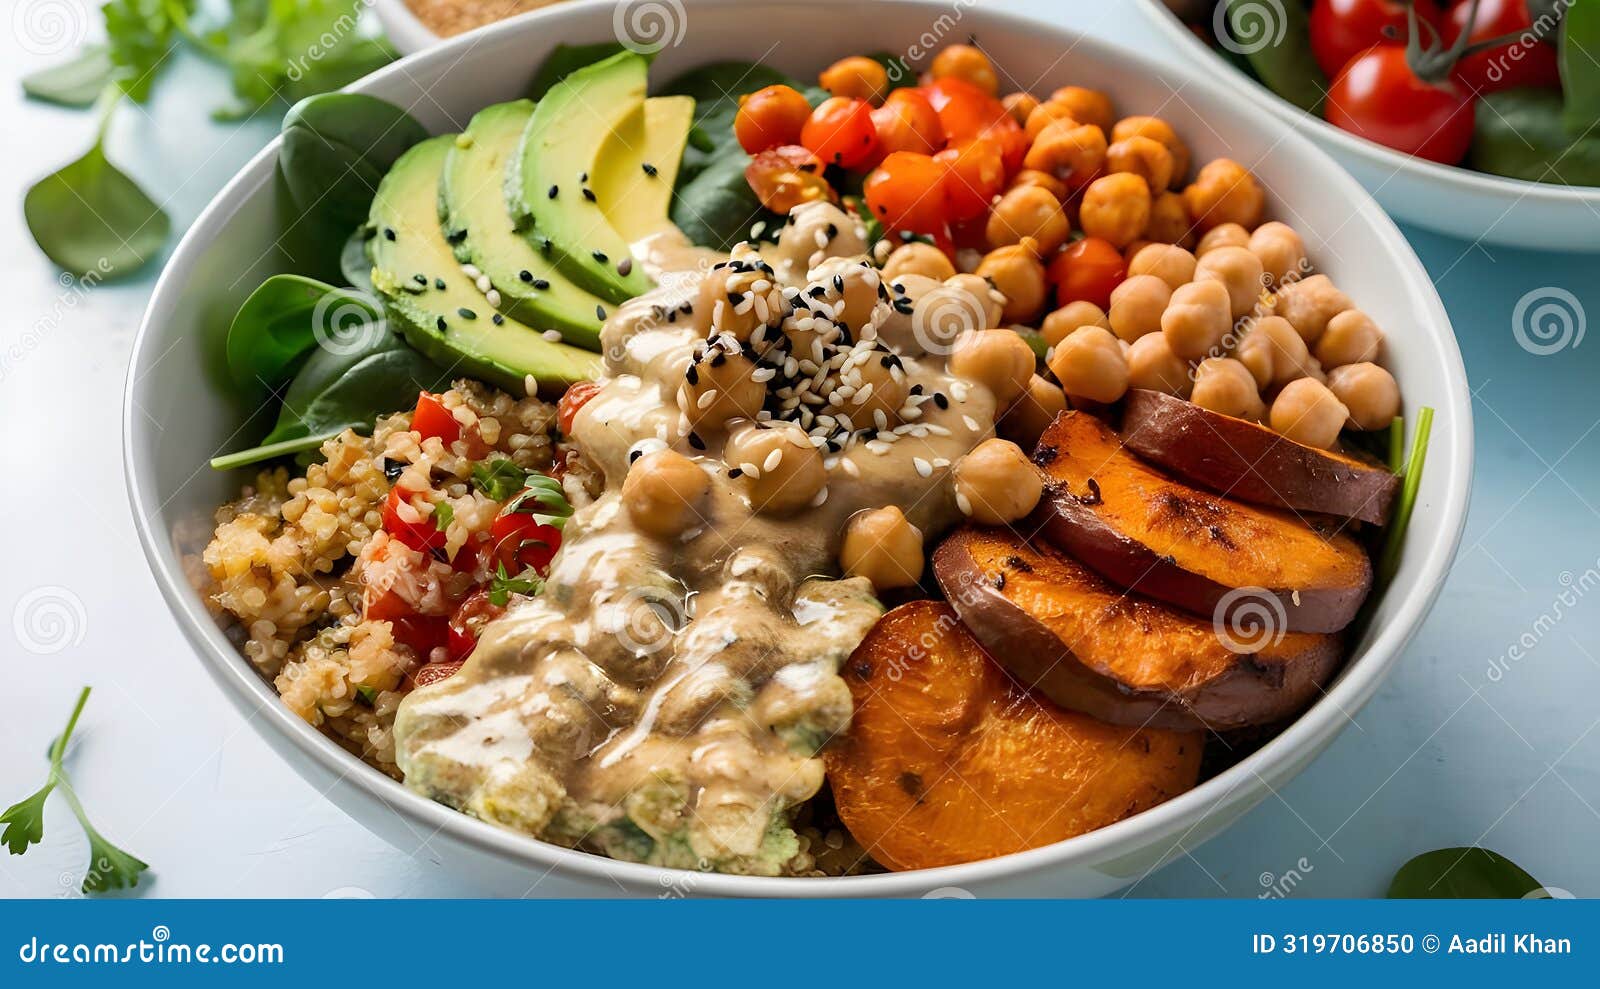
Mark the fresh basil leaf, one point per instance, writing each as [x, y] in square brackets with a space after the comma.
[76, 82]
[1461, 874]
[90, 217]
[282, 321]
[1283, 61]
[1520, 134]
[565, 60]
[498, 479]
[1580, 69]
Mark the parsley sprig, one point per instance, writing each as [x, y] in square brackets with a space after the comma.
[109, 866]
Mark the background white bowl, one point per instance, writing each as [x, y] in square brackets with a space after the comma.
[1475, 206]
[404, 29]
[178, 412]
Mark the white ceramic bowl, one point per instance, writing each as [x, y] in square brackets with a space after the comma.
[1475, 206]
[177, 414]
[403, 28]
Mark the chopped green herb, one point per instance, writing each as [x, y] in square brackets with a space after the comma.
[367, 695]
[498, 479]
[443, 515]
[541, 495]
[503, 585]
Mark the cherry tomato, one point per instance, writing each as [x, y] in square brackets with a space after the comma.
[907, 122]
[905, 193]
[1525, 61]
[965, 111]
[769, 117]
[467, 623]
[1012, 141]
[423, 633]
[422, 536]
[522, 541]
[1087, 270]
[431, 418]
[1342, 29]
[975, 174]
[841, 132]
[783, 178]
[434, 672]
[574, 398]
[1378, 97]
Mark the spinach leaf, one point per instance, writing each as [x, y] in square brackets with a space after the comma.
[76, 82]
[1519, 134]
[354, 263]
[336, 148]
[564, 61]
[1580, 69]
[716, 89]
[283, 320]
[1462, 874]
[1284, 63]
[717, 208]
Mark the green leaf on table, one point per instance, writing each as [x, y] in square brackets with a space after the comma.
[1579, 52]
[1462, 874]
[77, 82]
[139, 35]
[283, 320]
[1520, 134]
[24, 820]
[90, 217]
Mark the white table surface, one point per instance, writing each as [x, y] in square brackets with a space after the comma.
[1443, 756]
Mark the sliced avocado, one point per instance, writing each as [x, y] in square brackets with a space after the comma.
[638, 166]
[437, 308]
[550, 181]
[472, 192]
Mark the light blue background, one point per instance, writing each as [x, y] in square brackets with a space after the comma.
[1443, 756]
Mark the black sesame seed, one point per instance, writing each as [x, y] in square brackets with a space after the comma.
[735, 472]
[584, 177]
[838, 283]
[634, 455]
[940, 400]
[440, 323]
[546, 247]
[649, 169]
[817, 292]
[420, 278]
[734, 298]
[498, 319]
[833, 230]
[555, 191]
[718, 359]
[438, 283]
[599, 256]
[392, 469]
[466, 313]
[589, 195]
[388, 233]
[600, 313]
[692, 376]
[540, 284]
[696, 442]
[525, 275]
[625, 267]
[916, 389]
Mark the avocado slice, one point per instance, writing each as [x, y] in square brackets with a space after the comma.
[550, 182]
[638, 166]
[473, 193]
[433, 304]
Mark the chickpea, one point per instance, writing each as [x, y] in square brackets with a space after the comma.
[1144, 157]
[1153, 365]
[1255, 353]
[1033, 411]
[664, 492]
[1238, 270]
[1136, 306]
[1019, 105]
[982, 290]
[941, 316]
[1351, 338]
[882, 379]
[1368, 391]
[1224, 385]
[1157, 130]
[918, 258]
[1196, 319]
[1134, 247]
[1116, 208]
[898, 329]
[1284, 351]
[1308, 305]
[1222, 235]
[1015, 271]
[995, 484]
[787, 472]
[860, 295]
[1069, 150]
[1169, 220]
[717, 387]
[1088, 106]
[1307, 412]
[882, 546]
[1044, 115]
[1168, 262]
[1090, 364]
[1280, 249]
[1069, 317]
[856, 78]
[1000, 360]
[967, 63]
[712, 310]
[1044, 180]
[1225, 192]
[1027, 211]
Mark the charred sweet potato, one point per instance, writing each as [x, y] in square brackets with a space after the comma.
[1061, 630]
[1198, 550]
[1248, 461]
[948, 761]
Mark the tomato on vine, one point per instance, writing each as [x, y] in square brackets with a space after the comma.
[1343, 29]
[1380, 97]
[1521, 59]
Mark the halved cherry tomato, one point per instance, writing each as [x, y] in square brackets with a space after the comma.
[1343, 29]
[907, 122]
[975, 172]
[1380, 98]
[783, 178]
[423, 633]
[431, 418]
[574, 398]
[467, 623]
[841, 132]
[904, 193]
[434, 672]
[1526, 61]
[1012, 141]
[521, 541]
[965, 111]
[769, 117]
[422, 536]
[1087, 270]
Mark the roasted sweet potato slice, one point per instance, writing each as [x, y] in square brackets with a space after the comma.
[1192, 548]
[947, 760]
[1248, 461]
[1063, 631]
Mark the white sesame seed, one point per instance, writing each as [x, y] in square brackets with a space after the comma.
[763, 416]
[773, 460]
[471, 271]
[821, 238]
[971, 423]
[963, 504]
[935, 429]
[923, 467]
[483, 283]
[706, 398]
[763, 374]
[941, 462]
[878, 446]
[751, 470]
[958, 391]
[879, 419]
[530, 384]
[820, 497]
[850, 467]
[492, 297]
[554, 336]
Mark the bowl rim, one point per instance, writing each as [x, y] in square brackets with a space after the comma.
[1458, 179]
[1317, 725]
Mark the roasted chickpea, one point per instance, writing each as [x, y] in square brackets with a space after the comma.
[1068, 150]
[1307, 412]
[1153, 365]
[1197, 319]
[1157, 130]
[1134, 247]
[713, 311]
[717, 387]
[778, 467]
[1136, 306]
[883, 546]
[995, 484]
[981, 289]
[918, 258]
[1043, 116]
[880, 386]
[1169, 220]
[1144, 157]
[1222, 235]
[1019, 105]
[860, 295]
[1069, 317]
[1087, 106]
[1308, 305]
[1368, 391]
[1351, 338]
[1225, 192]
[1224, 385]
[1090, 364]
[1034, 410]
[1000, 360]
[1015, 271]
[1044, 180]
[1027, 211]
[897, 325]
[1280, 249]
[856, 78]
[1281, 349]
[1168, 262]
[1115, 208]
[1255, 353]
[967, 63]
[1238, 270]
[664, 493]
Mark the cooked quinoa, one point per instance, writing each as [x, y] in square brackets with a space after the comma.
[451, 17]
